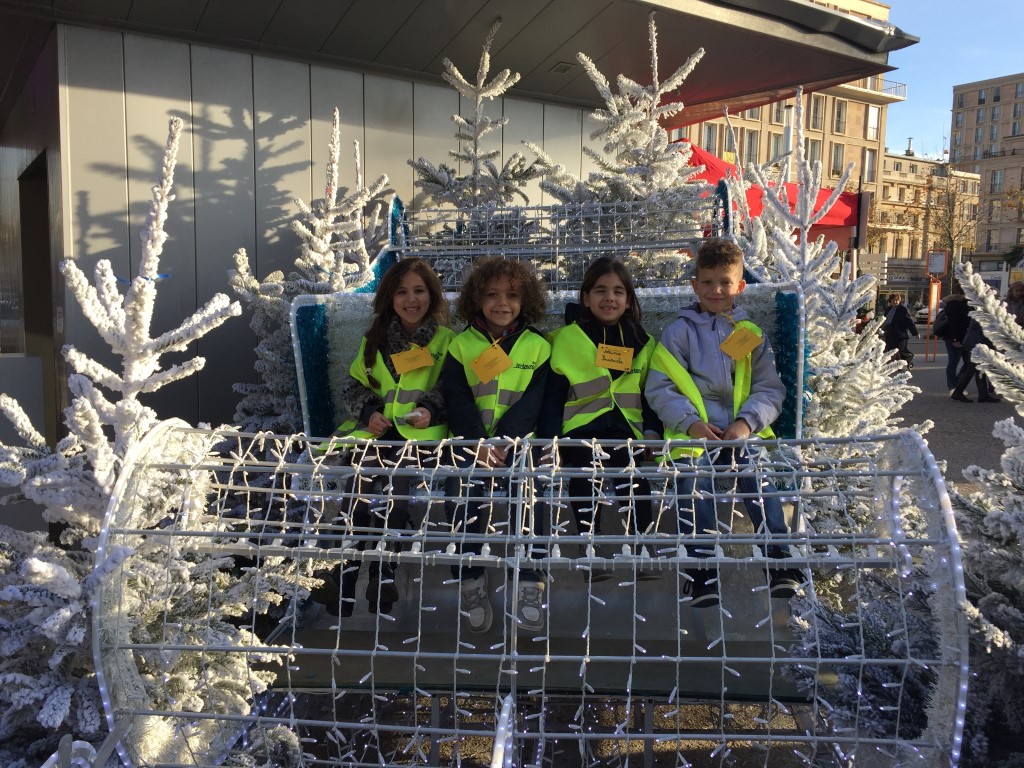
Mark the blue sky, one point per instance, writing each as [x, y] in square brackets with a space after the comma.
[961, 42]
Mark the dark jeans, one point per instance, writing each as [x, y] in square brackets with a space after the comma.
[469, 508]
[971, 371]
[955, 355]
[697, 514]
[586, 511]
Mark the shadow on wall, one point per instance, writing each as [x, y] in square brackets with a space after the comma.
[228, 195]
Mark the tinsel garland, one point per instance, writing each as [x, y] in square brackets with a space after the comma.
[786, 343]
[311, 327]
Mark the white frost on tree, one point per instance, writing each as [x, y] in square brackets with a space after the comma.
[47, 679]
[484, 185]
[340, 235]
[638, 166]
[991, 525]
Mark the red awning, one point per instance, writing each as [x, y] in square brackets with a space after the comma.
[843, 214]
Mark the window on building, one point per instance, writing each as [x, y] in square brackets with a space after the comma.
[730, 142]
[1016, 109]
[777, 113]
[1018, 91]
[813, 150]
[751, 140]
[1015, 128]
[917, 195]
[897, 166]
[960, 101]
[958, 155]
[979, 135]
[997, 114]
[982, 95]
[958, 138]
[871, 128]
[870, 164]
[993, 150]
[775, 146]
[959, 119]
[995, 93]
[913, 167]
[710, 138]
[993, 132]
[900, 192]
[914, 249]
[1020, 235]
[980, 117]
[754, 114]
[977, 155]
[886, 192]
[995, 210]
[996, 181]
[838, 151]
[840, 110]
[816, 112]
[897, 247]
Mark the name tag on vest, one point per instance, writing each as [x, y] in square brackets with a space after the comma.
[412, 359]
[614, 358]
[741, 342]
[490, 364]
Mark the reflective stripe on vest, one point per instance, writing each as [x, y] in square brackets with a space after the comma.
[665, 363]
[592, 390]
[400, 397]
[496, 396]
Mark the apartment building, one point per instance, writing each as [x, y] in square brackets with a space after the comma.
[924, 205]
[987, 137]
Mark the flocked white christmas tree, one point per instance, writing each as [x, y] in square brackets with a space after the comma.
[483, 184]
[990, 519]
[48, 683]
[341, 235]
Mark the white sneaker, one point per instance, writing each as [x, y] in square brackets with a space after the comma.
[531, 610]
[474, 604]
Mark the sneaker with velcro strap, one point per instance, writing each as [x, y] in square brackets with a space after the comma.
[784, 583]
[531, 610]
[475, 605]
[704, 588]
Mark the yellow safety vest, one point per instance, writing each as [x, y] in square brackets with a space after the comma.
[400, 397]
[664, 362]
[593, 391]
[495, 397]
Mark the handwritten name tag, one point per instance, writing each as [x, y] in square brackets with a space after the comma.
[490, 364]
[740, 343]
[614, 358]
[411, 359]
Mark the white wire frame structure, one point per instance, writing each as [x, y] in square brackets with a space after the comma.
[560, 240]
[624, 670]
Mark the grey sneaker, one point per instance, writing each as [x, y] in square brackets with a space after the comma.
[531, 609]
[474, 604]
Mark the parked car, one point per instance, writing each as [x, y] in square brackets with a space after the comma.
[921, 316]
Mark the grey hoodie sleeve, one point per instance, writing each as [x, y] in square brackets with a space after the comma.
[767, 392]
[674, 408]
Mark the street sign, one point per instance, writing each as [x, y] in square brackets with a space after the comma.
[938, 263]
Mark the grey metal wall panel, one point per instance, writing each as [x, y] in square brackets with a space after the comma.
[525, 123]
[590, 125]
[224, 182]
[330, 88]
[158, 87]
[389, 131]
[94, 157]
[281, 101]
[563, 136]
[434, 130]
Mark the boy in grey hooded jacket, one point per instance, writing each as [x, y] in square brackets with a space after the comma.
[704, 387]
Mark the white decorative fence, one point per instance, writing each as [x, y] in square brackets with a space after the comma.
[866, 665]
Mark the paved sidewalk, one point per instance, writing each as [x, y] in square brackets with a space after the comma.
[962, 434]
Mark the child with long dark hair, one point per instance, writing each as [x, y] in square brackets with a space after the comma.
[391, 395]
[599, 366]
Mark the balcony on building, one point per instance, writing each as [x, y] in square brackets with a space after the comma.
[871, 90]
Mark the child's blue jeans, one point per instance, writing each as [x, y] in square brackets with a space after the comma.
[696, 497]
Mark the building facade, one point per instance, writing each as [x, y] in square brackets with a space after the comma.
[988, 138]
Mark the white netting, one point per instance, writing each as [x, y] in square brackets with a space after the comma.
[621, 670]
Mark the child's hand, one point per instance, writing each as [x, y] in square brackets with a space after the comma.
[738, 430]
[419, 418]
[700, 430]
[377, 424]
